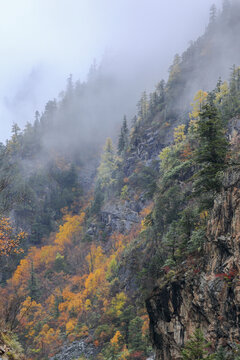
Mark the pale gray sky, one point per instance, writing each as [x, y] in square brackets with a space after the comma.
[43, 41]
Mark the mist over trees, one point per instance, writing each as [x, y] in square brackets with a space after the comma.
[103, 223]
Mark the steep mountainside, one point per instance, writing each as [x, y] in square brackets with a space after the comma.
[204, 292]
[161, 211]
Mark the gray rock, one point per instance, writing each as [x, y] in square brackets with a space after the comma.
[75, 350]
[119, 216]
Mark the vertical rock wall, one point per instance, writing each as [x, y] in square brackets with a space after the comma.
[206, 291]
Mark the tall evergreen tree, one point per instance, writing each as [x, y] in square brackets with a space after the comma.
[196, 348]
[213, 14]
[123, 138]
[211, 152]
[107, 166]
[143, 106]
[32, 284]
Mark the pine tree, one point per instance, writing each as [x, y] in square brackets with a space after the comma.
[211, 152]
[226, 5]
[107, 166]
[135, 334]
[123, 138]
[195, 348]
[32, 284]
[143, 106]
[213, 14]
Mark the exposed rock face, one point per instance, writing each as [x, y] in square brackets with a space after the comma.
[119, 217]
[205, 292]
[148, 144]
[75, 350]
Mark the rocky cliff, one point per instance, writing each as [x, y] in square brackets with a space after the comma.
[205, 292]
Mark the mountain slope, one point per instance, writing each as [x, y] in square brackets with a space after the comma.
[146, 221]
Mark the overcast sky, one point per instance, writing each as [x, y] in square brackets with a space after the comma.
[43, 41]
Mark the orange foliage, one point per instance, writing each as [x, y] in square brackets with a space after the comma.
[146, 211]
[116, 342]
[71, 227]
[9, 241]
[145, 327]
[95, 257]
[186, 153]
[67, 298]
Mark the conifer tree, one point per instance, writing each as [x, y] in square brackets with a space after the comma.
[211, 152]
[195, 348]
[32, 285]
[123, 138]
[143, 106]
[213, 14]
[135, 334]
[107, 166]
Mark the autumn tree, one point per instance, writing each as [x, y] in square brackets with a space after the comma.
[9, 240]
[198, 102]
[179, 134]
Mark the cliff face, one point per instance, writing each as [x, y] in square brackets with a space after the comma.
[205, 292]
[10, 348]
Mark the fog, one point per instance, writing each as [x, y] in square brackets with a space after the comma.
[134, 41]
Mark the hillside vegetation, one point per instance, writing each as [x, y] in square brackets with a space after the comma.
[95, 233]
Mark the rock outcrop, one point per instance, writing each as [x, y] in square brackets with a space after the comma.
[205, 292]
[75, 350]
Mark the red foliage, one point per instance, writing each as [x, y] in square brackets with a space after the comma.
[196, 271]
[137, 355]
[227, 276]
[166, 269]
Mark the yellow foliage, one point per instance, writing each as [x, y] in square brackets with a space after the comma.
[71, 227]
[146, 211]
[49, 338]
[68, 298]
[198, 101]
[118, 303]
[164, 157]
[22, 273]
[143, 226]
[71, 302]
[70, 325]
[223, 91]
[93, 281]
[124, 355]
[204, 215]
[88, 305]
[179, 135]
[145, 327]
[9, 241]
[95, 257]
[44, 256]
[116, 338]
[83, 331]
[118, 243]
